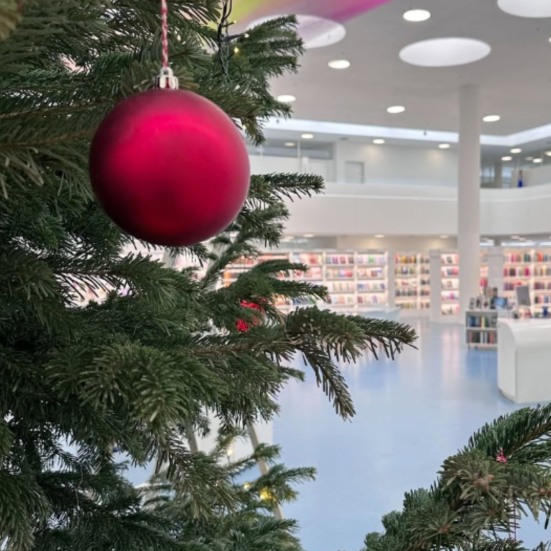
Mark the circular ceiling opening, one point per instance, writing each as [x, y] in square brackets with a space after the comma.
[526, 8]
[445, 52]
[316, 32]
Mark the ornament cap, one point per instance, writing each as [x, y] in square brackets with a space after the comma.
[166, 79]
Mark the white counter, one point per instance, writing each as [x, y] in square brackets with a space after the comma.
[524, 360]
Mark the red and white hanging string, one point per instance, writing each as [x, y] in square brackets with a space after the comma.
[166, 79]
[164, 16]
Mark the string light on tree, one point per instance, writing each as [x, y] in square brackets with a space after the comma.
[169, 166]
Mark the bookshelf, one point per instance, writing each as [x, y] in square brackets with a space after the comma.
[481, 328]
[355, 279]
[412, 282]
[450, 284]
[531, 267]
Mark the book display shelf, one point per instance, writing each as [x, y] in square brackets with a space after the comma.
[531, 267]
[355, 279]
[481, 328]
[371, 279]
[450, 284]
[412, 281]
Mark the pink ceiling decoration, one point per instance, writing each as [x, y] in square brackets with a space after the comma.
[336, 10]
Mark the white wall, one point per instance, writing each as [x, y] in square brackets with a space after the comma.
[355, 210]
[397, 244]
[389, 165]
[535, 176]
[398, 165]
[267, 165]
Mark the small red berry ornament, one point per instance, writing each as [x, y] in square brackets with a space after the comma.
[169, 166]
[244, 326]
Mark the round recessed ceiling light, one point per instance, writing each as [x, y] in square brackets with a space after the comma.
[307, 136]
[339, 64]
[290, 144]
[548, 153]
[379, 236]
[316, 32]
[444, 146]
[379, 141]
[491, 118]
[516, 150]
[537, 161]
[309, 235]
[444, 237]
[416, 16]
[506, 159]
[395, 109]
[286, 98]
[526, 8]
[445, 52]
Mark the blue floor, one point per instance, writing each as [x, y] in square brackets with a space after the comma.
[411, 414]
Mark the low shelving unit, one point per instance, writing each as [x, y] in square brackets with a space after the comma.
[481, 328]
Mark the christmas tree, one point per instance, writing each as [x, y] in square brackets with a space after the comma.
[482, 493]
[138, 369]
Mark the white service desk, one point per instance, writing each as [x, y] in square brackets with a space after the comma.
[524, 360]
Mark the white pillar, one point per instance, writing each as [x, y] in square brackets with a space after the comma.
[468, 234]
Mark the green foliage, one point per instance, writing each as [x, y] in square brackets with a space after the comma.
[139, 368]
[249, 523]
[478, 503]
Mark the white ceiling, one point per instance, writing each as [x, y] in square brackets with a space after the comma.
[515, 79]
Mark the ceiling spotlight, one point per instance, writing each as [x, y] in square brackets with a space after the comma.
[290, 144]
[444, 146]
[526, 8]
[288, 238]
[379, 141]
[339, 64]
[491, 118]
[379, 236]
[417, 16]
[395, 109]
[516, 150]
[309, 235]
[307, 136]
[537, 161]
[445, 52]
[286, 98]
[548, 153]
[506, 158]
[444, 237]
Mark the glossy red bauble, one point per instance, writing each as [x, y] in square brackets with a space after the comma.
[170, 167]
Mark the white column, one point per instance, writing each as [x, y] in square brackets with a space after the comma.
[468, 234]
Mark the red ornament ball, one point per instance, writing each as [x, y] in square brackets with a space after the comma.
[170, 167]
[244, 326]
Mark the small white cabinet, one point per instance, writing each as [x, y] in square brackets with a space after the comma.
[524, 360]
